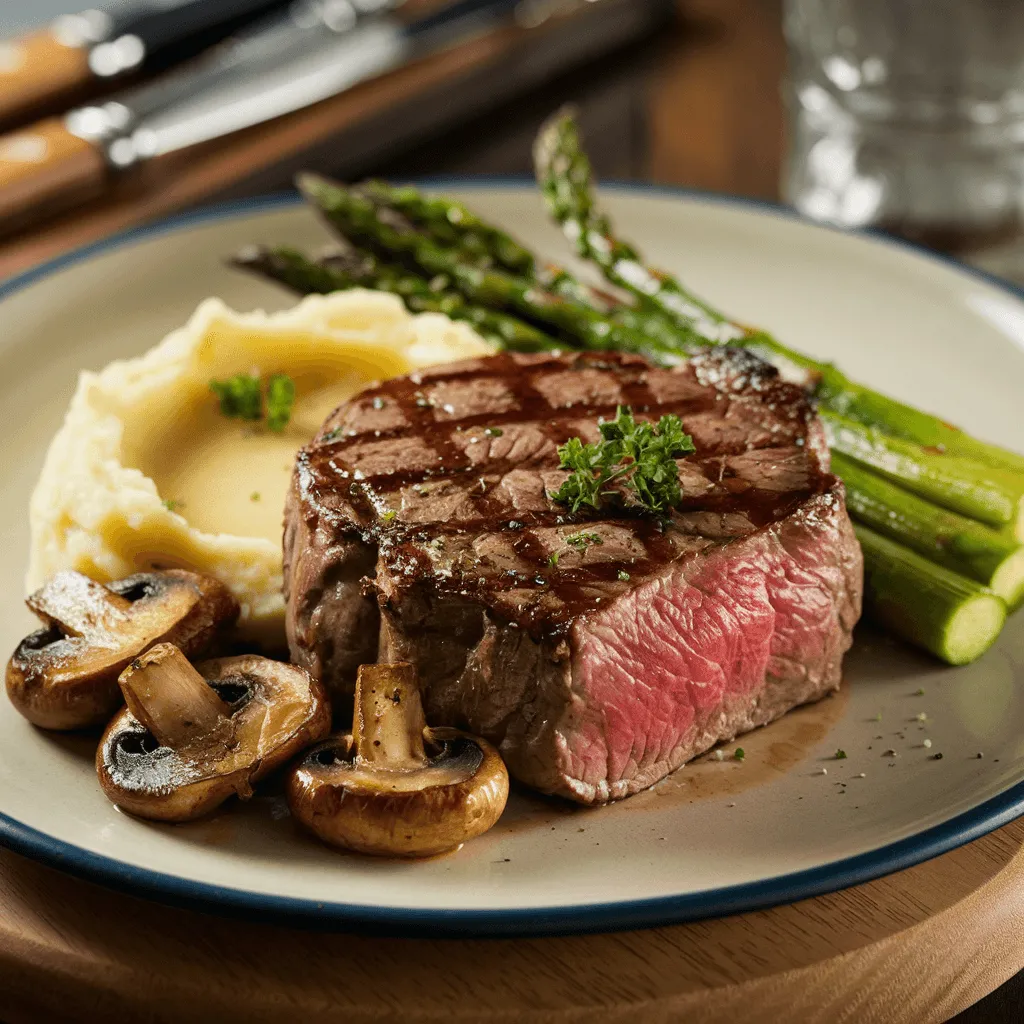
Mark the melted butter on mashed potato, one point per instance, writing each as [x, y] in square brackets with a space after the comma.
[147, 473]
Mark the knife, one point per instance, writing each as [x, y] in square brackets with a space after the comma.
[95, 46]
[310, 52]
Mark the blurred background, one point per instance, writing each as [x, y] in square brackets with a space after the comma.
[906, 115]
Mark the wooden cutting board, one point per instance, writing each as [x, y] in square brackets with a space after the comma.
[913, 948]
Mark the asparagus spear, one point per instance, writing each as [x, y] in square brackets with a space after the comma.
[482, 244]
[433, 216]
[451, 223]
[357, 218]
[955, 618]
[989, 495]
[362, 270]
[564, 175]
[948, 539]
[849, 398]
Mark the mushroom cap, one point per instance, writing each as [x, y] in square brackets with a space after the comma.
[458, 795]
[276, 711]
[64, 676]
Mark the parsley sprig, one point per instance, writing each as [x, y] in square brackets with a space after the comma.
[241, 397]
[640, 455]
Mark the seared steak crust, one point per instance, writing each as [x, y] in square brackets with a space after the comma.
[598, 651]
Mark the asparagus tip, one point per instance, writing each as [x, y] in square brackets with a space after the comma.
[566, 112]
[312, 185]
[546, 142]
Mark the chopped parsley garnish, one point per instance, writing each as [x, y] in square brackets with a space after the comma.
[493, 431]
[623, 575]
[280, 400]
[173, 506]
[553, 559]
[739, 753]
[840, 754]
[389, 516]
[581, 541]
[255, 496]
[242, 397]
[334, 434]
[641, 455]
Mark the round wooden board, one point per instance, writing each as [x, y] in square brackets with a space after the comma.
[916, 947]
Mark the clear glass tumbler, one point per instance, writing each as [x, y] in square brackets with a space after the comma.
[908, 115]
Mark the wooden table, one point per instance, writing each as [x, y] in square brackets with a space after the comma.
[914, 948]
[699, 107]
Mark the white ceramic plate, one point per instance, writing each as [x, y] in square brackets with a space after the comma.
[717, 837]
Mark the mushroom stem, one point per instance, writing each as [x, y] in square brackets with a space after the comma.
[388, 723]
[172, 700]
[78, 604]
[376, 792]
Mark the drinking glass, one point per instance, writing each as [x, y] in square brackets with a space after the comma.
[908, 115]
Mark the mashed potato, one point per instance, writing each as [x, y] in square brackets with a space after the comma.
[146, 472]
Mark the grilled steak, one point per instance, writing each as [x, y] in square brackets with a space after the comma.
[598, 651]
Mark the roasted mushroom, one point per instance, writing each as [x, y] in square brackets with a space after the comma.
[64, 676]
[191, 737]
[394, 787]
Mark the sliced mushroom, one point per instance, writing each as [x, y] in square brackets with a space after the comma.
[65, 675]
[394, 787]
[190, 738]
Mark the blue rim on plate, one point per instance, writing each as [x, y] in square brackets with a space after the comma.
[498, 923]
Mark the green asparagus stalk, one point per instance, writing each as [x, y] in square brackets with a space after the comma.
[955, 618]
[451, 223]
[992, 496]
[478, 242]
[948, 539]
[836, 391]
[484, 245]
[362, 270]
[565, 178]
[481, 244]
[358, 219]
